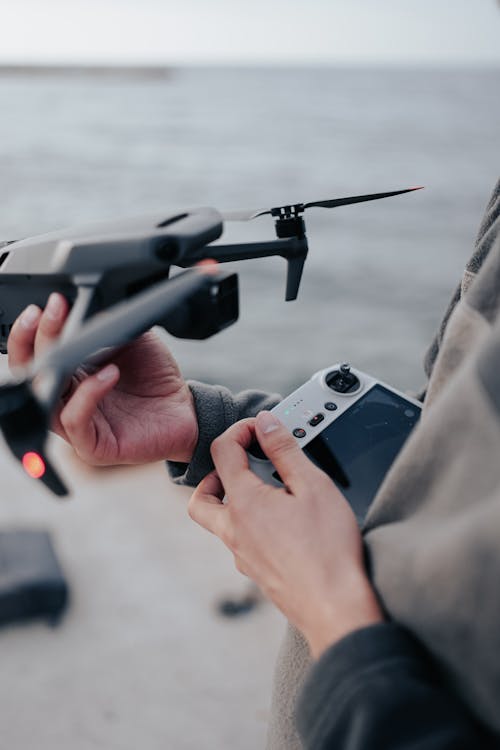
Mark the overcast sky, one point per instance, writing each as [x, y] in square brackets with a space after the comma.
[260, 31]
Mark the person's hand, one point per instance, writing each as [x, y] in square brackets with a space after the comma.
[136, 409]
[301, 544]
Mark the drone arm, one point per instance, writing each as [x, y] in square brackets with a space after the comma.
[84, 297]
[240, 251]
[51, 385]
[110, 329]
[292, 249]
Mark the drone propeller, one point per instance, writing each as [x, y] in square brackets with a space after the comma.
[297, 208]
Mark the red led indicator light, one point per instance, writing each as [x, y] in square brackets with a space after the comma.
[33, 465]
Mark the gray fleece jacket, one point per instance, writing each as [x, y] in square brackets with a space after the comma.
[433, 531]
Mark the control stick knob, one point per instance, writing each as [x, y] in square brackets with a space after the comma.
[343, 380]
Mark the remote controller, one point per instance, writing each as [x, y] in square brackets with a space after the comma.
[350, 424]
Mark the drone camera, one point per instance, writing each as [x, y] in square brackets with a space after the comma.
[214, 307]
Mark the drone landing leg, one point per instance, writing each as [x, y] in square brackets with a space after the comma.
[292, 249]
[84, 296]
[49, 386]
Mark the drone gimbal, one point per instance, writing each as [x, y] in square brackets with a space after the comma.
[116, 277]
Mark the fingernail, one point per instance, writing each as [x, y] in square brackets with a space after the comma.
[107, 373]
[53, 309]
[267, 422]
[30, 316]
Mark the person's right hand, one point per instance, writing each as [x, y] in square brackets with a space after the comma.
[300, 543]
[136, 409]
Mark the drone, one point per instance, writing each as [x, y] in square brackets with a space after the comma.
[116, 278]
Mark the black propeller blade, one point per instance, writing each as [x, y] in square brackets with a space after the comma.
[300, 207]
[358, 199]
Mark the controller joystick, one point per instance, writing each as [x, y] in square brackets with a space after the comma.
[256, 451]
[343, 380]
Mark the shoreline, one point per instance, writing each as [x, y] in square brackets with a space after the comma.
[166, 70]
[86, 71]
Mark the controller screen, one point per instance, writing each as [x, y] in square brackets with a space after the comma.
[358, 448]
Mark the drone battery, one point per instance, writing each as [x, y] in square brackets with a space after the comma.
[32, 585]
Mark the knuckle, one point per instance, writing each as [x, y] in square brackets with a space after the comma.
[286, 446]
[191, 508]
[48, 326]
[68, 420]
[14, 334]
[234, 514]
[240, 565]
[321, 478]
[281, 439]
[12, 351]
[89, 458]
[237, 509]
[27, 321]
[217, 447]
[18, 344]
[318, 484]
[229, 537]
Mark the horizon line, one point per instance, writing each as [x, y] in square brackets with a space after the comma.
[164, 68]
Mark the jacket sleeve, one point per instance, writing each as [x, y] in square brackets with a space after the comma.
[216, 409]
[376, 688]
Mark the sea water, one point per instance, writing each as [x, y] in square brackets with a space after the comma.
[76, 148]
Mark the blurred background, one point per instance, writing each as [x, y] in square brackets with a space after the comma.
[258, 104]
[115, 108]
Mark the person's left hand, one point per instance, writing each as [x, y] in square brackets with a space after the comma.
[136, 409]
[300, 544]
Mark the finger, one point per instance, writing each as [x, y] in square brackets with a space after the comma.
[21, 341]
[282, 450]
[211, 486]
[208, 266]
[206, 509]
[52, 322]
[76, 416]
[231, 459]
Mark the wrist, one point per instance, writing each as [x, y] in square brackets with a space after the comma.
[186, 451]
[188, 437]
[337, 616]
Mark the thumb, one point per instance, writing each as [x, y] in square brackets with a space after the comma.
[282, 450]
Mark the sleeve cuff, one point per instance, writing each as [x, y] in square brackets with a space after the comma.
[215, 411]
[332, 680]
